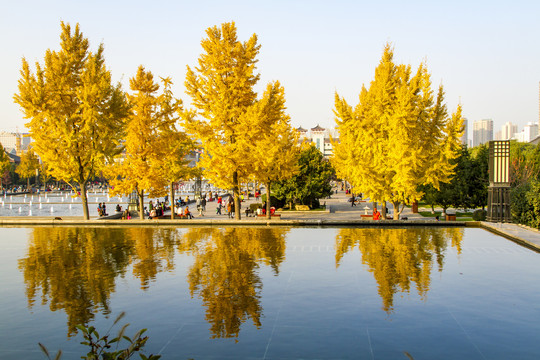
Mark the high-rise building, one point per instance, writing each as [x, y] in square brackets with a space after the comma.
[529, 132]
[508, 131]
[482, 131]
[14, 142]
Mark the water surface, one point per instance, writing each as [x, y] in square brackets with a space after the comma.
[272, 293]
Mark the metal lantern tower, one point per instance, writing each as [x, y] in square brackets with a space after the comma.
[499, 182]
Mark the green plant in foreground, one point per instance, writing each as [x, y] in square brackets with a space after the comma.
[100, 346]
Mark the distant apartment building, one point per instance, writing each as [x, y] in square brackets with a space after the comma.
[529, 133]
[482, 131]
[14, 143]
[507, 132]
[320, 137]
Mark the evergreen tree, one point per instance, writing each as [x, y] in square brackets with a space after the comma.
[311, 183]
[76, 114]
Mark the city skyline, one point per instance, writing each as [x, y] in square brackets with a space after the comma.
[481, 52]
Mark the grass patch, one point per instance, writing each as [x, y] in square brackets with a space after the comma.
[460, 216]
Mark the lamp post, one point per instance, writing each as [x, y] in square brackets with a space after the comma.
[499, 182]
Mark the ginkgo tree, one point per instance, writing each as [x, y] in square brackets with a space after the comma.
[221, 90]
[4, 165]
[28, 166]
[76, 114]
[155, 149]
[273, 143]
[398, 136]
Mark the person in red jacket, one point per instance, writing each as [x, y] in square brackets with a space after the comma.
[376, 215]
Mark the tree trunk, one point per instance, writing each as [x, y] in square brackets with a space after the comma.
[171, 200]
[383, 210]
[268, 205]
[141, 204]
[397, 212]
[236, 196]
[84, 199]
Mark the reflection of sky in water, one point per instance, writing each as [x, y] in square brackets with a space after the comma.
[274, 293]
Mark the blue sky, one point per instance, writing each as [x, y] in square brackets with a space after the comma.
[485, 53]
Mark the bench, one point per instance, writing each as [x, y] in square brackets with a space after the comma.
[169, 217]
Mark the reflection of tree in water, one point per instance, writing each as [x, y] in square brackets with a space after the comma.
[154, 252]
[399, 257]
[75, 268]
[224, 273]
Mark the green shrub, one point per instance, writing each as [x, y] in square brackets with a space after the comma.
[479, 215]
[522, 208]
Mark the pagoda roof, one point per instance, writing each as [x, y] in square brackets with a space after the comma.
[317, 128]
[301, 129]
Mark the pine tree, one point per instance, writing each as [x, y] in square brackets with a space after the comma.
[398, 137]
[221, 89]
[76, 114]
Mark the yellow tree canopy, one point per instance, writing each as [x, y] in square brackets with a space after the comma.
[4, 161]
[221, 89]
[76, 114]
[398, 136]
[29, 164]
[273, 143]
[155, 148]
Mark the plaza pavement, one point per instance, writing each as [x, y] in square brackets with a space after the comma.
[339, 212]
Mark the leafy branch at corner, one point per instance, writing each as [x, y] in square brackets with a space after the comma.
[100, 346]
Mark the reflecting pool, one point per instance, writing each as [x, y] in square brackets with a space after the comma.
[272, 293]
